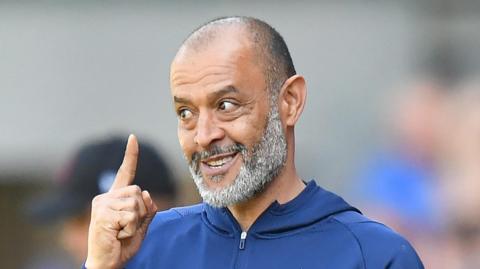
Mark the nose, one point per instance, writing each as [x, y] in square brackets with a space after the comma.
[208, 131]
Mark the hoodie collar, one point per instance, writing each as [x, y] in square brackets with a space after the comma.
[312, 205]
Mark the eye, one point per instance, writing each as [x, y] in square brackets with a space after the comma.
[226, 106]
[184, 114]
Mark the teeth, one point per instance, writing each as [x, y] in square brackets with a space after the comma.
[219, 162]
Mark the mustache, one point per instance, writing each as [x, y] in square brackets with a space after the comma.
[215, 150]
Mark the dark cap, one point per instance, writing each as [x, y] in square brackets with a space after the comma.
[92, 171]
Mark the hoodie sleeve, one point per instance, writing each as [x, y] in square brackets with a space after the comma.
[405, 258]
[383, 248]
[380, 246]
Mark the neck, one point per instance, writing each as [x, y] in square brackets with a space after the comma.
[282, 189]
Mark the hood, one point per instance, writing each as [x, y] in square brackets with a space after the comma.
[312, 205]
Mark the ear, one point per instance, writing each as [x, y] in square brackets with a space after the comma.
[292, 99]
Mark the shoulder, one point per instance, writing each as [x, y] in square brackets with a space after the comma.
[380, 245]
[166, 227]
[176, 217]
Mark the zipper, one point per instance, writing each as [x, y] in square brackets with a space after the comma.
[243, 237]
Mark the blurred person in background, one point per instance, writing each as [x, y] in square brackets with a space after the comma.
[460, 184]
[399, 183]
[90, 172]
[400, 186]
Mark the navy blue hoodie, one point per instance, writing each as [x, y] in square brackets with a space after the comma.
[317, 229]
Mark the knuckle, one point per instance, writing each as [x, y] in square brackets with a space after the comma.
[142, 206]
[98, 207]
[132, 203]
[142, 214]
[131, 218]
[129, 231]
[96, 200]
[136, 189]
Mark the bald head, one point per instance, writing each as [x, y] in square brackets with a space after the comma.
[268, 46]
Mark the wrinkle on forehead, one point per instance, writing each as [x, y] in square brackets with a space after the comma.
[182, 76]
[222, 59]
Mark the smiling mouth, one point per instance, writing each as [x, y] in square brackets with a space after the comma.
[219, 164]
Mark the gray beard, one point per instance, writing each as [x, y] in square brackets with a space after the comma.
[259, 167]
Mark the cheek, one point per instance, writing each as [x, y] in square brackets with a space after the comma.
[247, 131]
[186, 141]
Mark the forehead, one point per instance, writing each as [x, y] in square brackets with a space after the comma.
[224, 53]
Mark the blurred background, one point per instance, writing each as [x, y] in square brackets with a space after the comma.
[392, 121]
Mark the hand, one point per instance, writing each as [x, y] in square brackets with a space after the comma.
[120, 217]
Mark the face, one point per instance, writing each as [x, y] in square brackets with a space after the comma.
[231, 136]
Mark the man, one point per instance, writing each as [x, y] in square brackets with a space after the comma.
[91, 171]
[238, 97]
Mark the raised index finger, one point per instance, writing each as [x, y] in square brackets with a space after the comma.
[126, 172]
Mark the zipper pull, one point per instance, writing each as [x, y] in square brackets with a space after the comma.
[243, 236]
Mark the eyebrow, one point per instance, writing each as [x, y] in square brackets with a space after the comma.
[180, 100]
[210, 96]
